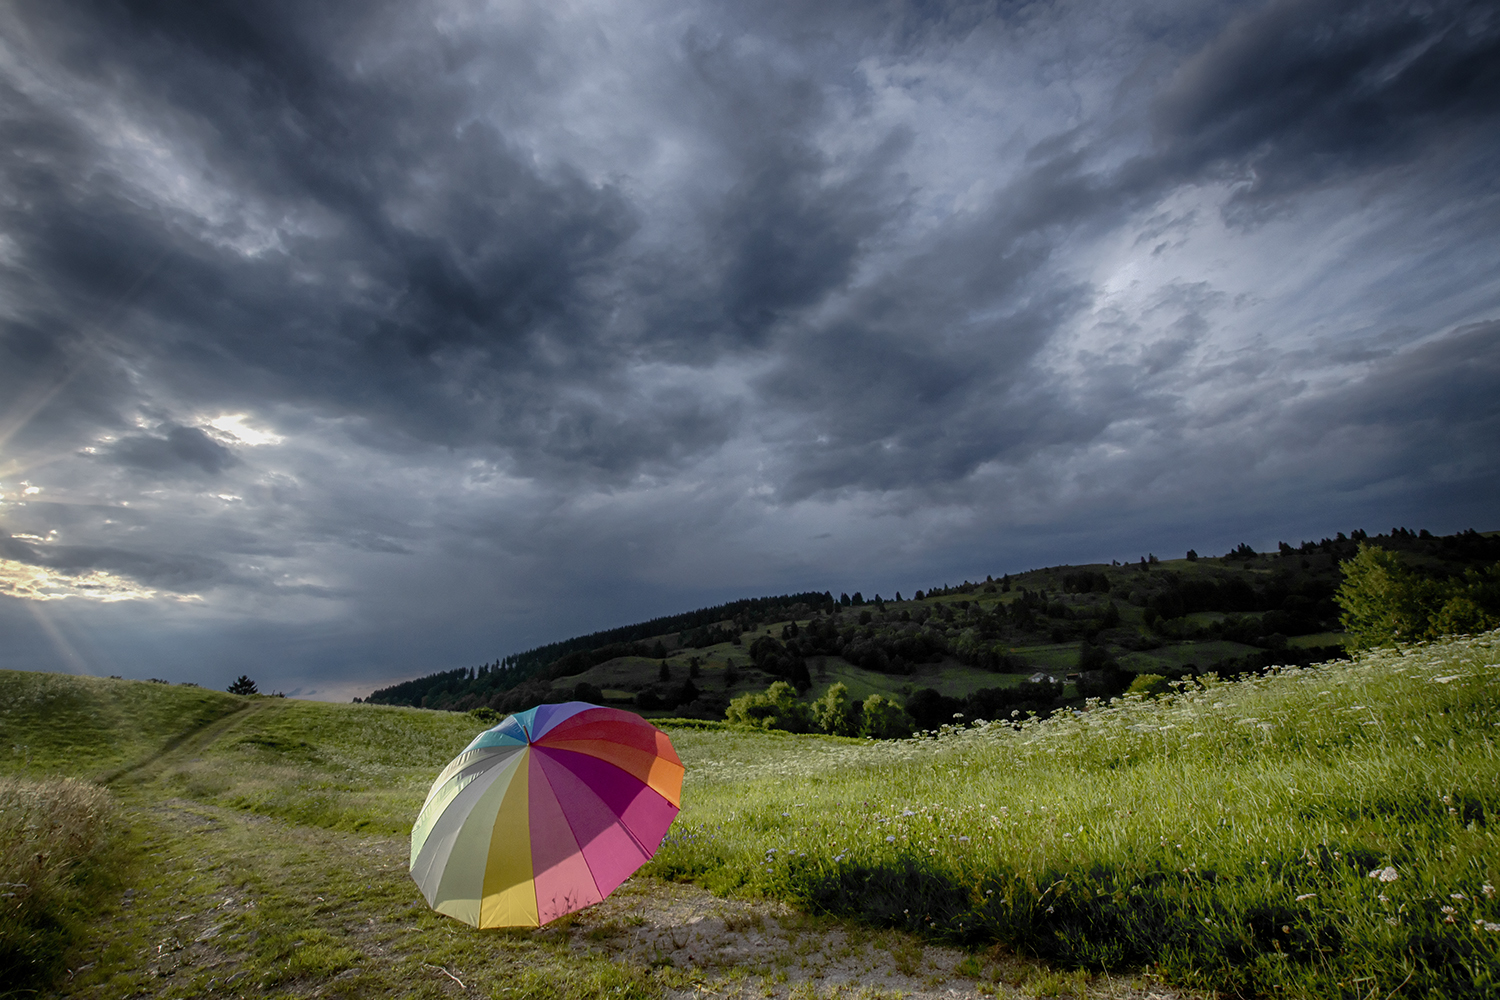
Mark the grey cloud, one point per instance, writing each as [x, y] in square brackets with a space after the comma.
[1299, 97]
[446, 271]
[179, 449]
[1299, 94]
[1439, 396]
[178, 572]
[793, 223]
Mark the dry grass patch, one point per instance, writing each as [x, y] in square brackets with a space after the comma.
[54, 845]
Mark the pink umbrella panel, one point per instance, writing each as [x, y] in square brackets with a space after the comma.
[544, 814]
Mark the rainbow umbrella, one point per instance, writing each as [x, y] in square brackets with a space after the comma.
[544, 814]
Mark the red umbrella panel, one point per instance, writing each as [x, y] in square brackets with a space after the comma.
[544, 814]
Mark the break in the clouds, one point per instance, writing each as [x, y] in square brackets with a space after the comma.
[344, 342]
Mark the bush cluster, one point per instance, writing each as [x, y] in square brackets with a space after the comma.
[778, 708]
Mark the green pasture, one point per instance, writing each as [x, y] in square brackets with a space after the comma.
[55, 724]
[625, 674]
[1322, 832]
[1054, 658]
[362, 768]
[1319, 639]
[1173, 657]
[949, 677]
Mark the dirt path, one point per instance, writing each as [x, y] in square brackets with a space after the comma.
[186, 743]
[233, 904]
[224, 902]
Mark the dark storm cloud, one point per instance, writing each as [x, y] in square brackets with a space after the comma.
[886, 411]
[441, 268]
[177, 449]
[566, 310]
[1288, 96]
[790, 229]
[1435, 403]
[171, 572]
[1299, 94]
[424, 274]
[445, 289]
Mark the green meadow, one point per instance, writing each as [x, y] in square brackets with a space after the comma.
[1319, 832]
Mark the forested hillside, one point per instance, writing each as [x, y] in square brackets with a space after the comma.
[1024, 642]
[559, 658]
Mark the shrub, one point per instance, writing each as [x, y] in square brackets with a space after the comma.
[833, 713]
[1148, 685]
[776, 708]
[242, 685]
[884, 719]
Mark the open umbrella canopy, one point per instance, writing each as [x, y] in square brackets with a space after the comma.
[544, 814]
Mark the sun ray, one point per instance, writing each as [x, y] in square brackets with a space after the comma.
[65, 649]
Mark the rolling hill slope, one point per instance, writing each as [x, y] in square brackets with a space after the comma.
[978, 647]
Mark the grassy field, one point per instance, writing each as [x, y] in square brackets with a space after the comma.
[258, 846]
[1322, 832]
[91, 727]
[1175, 657]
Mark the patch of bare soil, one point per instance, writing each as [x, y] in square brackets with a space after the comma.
[743, 948]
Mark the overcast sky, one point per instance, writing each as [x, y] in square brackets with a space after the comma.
[345, 342]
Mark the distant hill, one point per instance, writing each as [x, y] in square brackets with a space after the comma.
[510, 671]
[1025, 642]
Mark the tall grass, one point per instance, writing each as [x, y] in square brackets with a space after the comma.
[1326, 831]
[54, 851]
